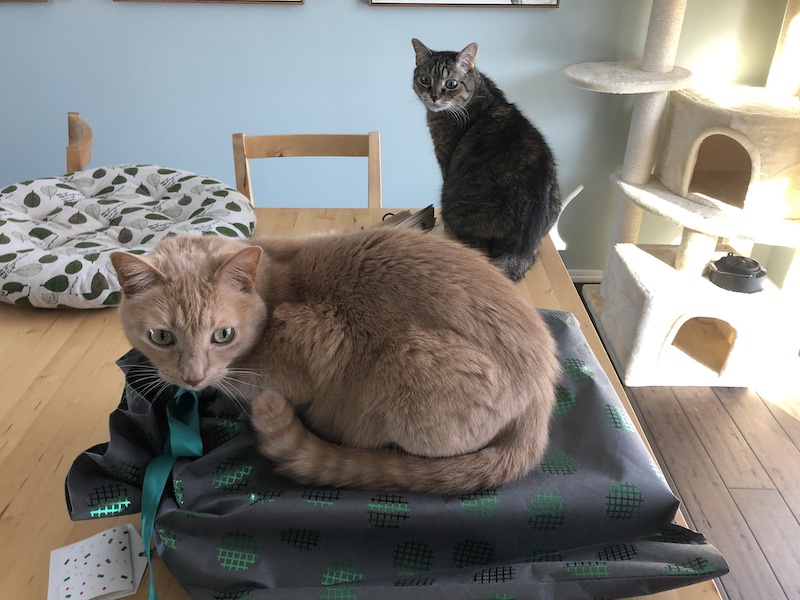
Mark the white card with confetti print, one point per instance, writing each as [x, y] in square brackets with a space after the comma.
[105, 566]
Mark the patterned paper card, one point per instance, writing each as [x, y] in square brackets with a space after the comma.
[105, 566]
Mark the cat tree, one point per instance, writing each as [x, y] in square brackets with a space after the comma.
[726, 167]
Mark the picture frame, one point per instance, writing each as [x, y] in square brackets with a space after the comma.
[463, 3]
[290, 2]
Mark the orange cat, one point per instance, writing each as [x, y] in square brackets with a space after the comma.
[384, 359]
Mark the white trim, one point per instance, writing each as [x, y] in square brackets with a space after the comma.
[585, 275]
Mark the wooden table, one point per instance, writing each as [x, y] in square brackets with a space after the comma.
[59, 382]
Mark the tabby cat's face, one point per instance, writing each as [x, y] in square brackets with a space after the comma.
[444, 81]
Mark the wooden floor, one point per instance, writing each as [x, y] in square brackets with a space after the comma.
[733, 457]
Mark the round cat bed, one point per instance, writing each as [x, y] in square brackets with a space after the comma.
[56, 233]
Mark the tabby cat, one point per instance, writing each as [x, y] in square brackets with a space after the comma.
[383, 359]
[499, 188]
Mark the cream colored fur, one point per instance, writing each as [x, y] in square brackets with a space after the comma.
[384, 359]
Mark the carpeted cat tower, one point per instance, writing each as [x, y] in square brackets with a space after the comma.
[725, 167]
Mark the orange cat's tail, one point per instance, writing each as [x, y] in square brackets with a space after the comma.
[306, 458]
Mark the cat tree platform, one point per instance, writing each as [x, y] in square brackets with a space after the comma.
[662, 326]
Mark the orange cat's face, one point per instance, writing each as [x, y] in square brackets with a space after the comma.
[192, 341]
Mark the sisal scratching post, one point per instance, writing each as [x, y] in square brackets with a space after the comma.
[661, 45]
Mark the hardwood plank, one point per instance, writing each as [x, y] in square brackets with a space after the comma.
[735, 461]
[786, 411]
[778, 533]
[706, 499]
[768, 440]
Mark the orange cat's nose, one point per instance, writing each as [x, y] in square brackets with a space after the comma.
[193, 381]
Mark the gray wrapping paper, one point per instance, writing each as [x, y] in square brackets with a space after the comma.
[594, 520]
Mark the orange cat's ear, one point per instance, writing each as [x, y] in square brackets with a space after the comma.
[240, 270]
[135, 273]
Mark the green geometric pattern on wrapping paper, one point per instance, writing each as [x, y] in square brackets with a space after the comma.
[225, 430]
[127, 471]
[577, 369]
[238, 551]
[480, 504]
[301, 539]
[696, 566]
[472, 553]
[618, 552]
[321, 497]
[586, 570]
[565, 400]
[342, 572]
[232, 474]
[558, 464]
[496, 575]
[178, 489]
[245, 595]
[657, 470]
[670, 536]
[168, 535]
[108, 501]
[560, 317]
[411, 558]
[543, 556]
[263, 497]
[388, 511]
[414, 582]
[338, 593]
[546, 511]
[617, 418]
[623, 501]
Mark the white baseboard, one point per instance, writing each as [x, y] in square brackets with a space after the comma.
[585, 275]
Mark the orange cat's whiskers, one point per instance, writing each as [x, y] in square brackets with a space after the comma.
[230, 391]
[148, 378]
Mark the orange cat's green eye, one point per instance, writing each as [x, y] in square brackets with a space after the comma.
[161, 337]
[451, 84]
[223, 335]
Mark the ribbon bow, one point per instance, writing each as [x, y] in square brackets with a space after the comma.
[183, 439]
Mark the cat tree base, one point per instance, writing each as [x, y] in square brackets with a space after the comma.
[667, 327]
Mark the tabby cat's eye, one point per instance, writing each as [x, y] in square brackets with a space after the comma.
[425, 80]
[451, 84]
[161, 337]
[223, 335]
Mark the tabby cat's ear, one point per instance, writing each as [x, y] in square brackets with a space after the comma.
[135, 273]
[240, 270]
[421, 50]
[466, 58]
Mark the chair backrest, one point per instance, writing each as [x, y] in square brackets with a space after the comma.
[79, 148]
[275, 146]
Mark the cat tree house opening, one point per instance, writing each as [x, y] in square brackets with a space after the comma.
[722, 170]
[707, 340]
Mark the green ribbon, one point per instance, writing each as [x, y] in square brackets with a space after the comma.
[183, 439]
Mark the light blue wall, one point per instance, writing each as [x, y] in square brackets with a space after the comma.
[168, 83]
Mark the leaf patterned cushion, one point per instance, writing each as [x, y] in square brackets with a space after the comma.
[56, 233]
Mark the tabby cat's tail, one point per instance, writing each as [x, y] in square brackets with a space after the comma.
[306, 458]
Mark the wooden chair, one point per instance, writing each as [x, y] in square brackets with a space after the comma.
[79, 149]
[246, 147]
